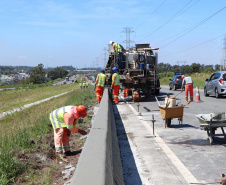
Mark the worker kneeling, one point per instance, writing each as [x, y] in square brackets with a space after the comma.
[64, 121]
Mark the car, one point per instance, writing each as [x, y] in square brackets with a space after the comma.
[216, 84]
[175, 83]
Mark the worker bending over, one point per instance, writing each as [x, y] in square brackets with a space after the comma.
[115, 84]
[64, 122]
[99, 85]
[188, 83]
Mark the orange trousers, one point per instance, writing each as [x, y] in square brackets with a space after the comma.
[189, 87]
[61, 139]
[125, 92]
[116, 93]
[99, 93]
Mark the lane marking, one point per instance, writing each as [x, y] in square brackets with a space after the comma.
[174, 159]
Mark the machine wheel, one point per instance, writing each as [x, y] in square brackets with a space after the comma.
[157, 92]
[170, 88]
[136, 96]
[205, 92]
[174, 87]
[217, 94]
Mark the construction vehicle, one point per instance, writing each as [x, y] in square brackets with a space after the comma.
[137, 70]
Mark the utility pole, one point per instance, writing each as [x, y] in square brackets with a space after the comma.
[97, 62]
[127, 30]
[223, 61]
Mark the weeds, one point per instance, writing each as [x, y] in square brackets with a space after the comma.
[20, 128]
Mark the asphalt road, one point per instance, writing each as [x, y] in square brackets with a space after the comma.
[173, 155]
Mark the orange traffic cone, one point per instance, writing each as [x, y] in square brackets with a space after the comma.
[197, 97]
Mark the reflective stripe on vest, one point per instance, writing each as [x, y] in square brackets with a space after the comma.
[117, 47]
[101, 80]
[57, 117]
[117, 81]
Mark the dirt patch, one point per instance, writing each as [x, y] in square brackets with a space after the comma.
[41, 166]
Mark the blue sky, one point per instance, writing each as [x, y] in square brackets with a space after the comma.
[71, 32]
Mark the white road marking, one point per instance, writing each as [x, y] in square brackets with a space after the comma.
[174, 159]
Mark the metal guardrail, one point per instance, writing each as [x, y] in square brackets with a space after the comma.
[100, 161]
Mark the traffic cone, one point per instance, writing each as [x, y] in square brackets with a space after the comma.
[197, 97]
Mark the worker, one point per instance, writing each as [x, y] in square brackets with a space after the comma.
[87, 84]
[64, 122]
[80, 84]
[188, 83]
[119, 51]
[84, 85]
[115, 84]
[99, 85]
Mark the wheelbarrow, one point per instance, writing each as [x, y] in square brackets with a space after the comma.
[210, 123]
[168, 113]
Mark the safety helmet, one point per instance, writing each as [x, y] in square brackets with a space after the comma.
[110, 42]
[114, 69]
[102, 70]
[81, 109]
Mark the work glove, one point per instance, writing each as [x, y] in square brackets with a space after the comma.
[95, 87]
[111, 88]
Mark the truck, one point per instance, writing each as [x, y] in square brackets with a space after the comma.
[137, 70]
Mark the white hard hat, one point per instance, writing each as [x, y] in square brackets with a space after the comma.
[110, 42]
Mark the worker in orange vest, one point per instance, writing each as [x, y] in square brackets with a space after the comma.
[99, 85]
[115, 84]
[188, 83]
[64, 121]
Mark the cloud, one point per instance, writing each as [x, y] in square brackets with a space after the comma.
[23, 57]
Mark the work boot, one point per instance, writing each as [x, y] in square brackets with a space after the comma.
[60, 154]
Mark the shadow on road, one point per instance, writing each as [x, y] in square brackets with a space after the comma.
[130, 172]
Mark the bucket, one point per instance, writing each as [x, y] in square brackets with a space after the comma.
[142, 66]
[171, 101]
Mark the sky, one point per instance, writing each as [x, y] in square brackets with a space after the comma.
[77, 33]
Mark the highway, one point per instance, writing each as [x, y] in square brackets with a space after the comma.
[173, 155]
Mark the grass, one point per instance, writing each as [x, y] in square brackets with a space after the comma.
[199, 79]
[19, 128]
[11, 99]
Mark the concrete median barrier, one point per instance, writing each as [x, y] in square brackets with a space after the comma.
[100, 161]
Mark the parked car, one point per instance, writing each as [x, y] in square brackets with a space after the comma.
[175, 83]
[216, 84]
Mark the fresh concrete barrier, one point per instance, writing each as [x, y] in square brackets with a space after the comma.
[100, 161]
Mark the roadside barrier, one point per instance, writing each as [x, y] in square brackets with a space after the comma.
[100, 160]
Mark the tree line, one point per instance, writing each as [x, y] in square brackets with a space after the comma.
[188, 69]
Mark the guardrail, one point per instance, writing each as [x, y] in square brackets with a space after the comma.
[100, 161]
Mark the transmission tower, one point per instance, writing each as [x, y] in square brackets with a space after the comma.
[105, 49]
[127, 30]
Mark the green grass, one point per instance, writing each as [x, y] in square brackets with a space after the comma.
[11, 99]
[18, 129]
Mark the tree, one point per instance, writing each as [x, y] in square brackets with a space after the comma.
[57, 72]
[38, 74]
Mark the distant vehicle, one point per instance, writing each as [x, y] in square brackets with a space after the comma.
[175, 83]
[216, 84]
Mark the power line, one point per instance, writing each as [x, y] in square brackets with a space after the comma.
[194, 27]
[193, 46]
[170, 19]
[150, 15]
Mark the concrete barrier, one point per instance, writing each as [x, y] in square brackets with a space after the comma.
[100, 161]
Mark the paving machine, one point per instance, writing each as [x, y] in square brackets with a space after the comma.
[137, 69]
